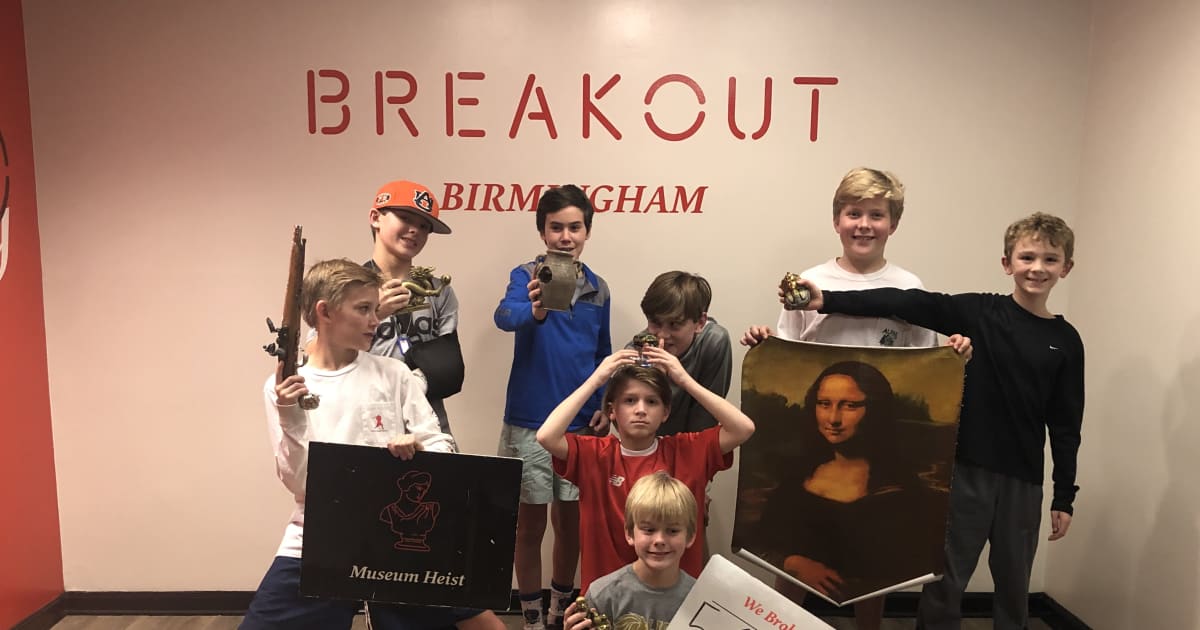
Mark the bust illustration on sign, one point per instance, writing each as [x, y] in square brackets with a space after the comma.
[411, 517]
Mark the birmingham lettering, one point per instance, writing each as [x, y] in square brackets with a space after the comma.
[329, 111]
[620, 198]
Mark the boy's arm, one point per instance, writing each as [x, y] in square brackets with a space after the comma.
[287, 424]
[713, 369]
[552, 435]
[1064, 423]
[604, 342]
[447, 316]
[419, 418]
[440, 360]
[516, 309]
[940, 312]
[736, 427]
[599, 421]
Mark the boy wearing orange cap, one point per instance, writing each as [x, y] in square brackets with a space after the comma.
[402, 217]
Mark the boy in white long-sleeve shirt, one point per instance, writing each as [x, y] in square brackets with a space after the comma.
[364, 399]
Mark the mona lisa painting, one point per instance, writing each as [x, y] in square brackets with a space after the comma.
[844, 486]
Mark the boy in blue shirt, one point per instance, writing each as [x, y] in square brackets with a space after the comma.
[553, 353]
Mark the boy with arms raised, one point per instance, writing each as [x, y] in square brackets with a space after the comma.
[637, 402]
[364, 399]
[676, 308]
[553, 352]
[660, 523]
[867, 207]
[1026, 380]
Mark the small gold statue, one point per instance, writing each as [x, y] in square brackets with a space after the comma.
[420, 287]
[599, 620]
[795, 295]
[640, 342]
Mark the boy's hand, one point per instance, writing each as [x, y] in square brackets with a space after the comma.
[535, 299]
[290, 390]
[404, 446]
[815, 302]
[962, 345]
[612, 363]
[756, 335]
[599, 423]
[666, 362]
[393, 296]
[814, 574]
[1060, 522]
[575, 618]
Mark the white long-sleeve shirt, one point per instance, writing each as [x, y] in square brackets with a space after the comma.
[366, 403]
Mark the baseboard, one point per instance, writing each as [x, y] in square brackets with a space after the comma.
[1054, 614]
[157, 602]
[45, 618]
[898, 605]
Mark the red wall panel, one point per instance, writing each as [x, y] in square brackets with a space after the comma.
[30, 550]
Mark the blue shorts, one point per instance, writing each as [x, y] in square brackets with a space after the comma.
[278, 605]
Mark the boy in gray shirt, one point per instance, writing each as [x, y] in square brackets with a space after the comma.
[676, 308]
[660, 523]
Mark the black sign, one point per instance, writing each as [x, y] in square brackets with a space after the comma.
[438, 529]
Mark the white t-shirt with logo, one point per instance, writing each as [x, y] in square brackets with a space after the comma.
[847, 330]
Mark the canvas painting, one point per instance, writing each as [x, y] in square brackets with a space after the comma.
[844, 486]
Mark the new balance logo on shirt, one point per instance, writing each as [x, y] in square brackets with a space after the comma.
[616, 480]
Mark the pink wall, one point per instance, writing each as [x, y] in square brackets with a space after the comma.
[30, 551]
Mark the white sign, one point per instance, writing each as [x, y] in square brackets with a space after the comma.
[727, 598]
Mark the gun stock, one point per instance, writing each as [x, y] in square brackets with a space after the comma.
[287, 335]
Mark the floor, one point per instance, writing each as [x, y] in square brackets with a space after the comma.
[512, 621]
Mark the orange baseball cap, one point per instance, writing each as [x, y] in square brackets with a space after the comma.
[411, 197]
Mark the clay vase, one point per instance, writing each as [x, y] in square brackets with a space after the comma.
[556, 272]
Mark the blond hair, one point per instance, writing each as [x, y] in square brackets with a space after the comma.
[663, 499]
[1041, 226]
[867, 183]
[329, 280]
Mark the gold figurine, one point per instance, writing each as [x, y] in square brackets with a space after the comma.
[599, 620]
[795, 295]
[640, 342]
[420, 287]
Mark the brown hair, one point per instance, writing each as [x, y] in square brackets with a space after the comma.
[677, 295]
[648, 375]
[1039, 226]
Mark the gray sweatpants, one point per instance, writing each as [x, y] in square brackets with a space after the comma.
[986, 507]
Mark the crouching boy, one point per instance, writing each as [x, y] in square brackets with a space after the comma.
[660, 524]
[364, 399]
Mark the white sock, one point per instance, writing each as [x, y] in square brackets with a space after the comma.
[531, 611]
[560, 600]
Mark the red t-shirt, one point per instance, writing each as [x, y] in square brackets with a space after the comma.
[605, 474]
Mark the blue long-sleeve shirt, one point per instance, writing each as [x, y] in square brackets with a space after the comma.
[553, 357]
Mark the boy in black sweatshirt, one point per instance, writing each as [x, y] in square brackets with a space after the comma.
[1026, 379]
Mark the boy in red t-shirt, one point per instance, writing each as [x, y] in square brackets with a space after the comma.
[637, 402]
